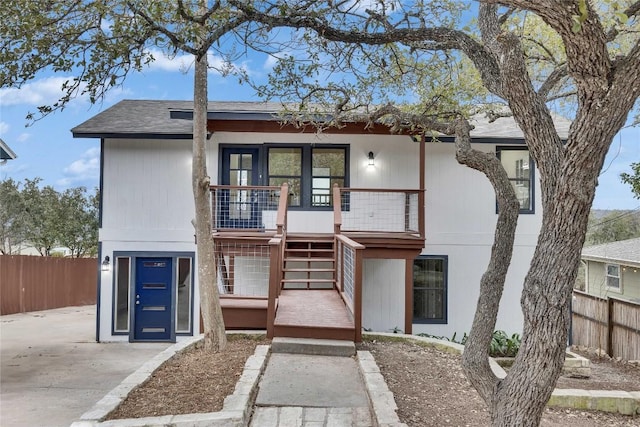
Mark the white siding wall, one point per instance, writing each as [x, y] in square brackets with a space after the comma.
[596, 281]
[148, 205]
[460, 223]
[147, 191]
[383, 295]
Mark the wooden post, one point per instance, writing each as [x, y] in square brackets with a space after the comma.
[274, 282]
[337, 209]
[421, 195]
[408, 296]
[281, 216]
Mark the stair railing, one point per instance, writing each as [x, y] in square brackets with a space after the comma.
[349, 278]
[277, 245]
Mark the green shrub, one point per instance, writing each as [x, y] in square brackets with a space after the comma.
[502, 345]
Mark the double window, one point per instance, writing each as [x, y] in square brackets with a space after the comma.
[430, 289]
[518, 164]
[311, 172]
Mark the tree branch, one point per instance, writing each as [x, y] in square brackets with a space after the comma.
[176, 41]
[554, 78]
[475, 51]
[631, 12]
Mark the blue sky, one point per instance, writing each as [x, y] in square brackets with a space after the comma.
[46, 149]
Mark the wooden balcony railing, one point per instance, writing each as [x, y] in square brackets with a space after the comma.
[378, 210]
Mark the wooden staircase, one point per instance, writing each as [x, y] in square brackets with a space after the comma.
[309, 305]
[309, 263]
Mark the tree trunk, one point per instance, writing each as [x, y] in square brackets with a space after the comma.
[215, 338]
[475, 359]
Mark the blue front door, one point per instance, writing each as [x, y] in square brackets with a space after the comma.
[153, 312]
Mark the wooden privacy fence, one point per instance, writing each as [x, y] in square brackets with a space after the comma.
[33, 283]
[611, 324]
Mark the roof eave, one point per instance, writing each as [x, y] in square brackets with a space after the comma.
[132, 135]
[610, 260]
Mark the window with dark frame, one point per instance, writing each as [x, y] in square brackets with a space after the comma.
[183, 295]
[285, 165]
[311, 172]
[518, 164]
[121, 294]
[430, 289]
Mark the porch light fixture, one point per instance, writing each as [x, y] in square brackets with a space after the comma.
[371, 162]
[106, 266]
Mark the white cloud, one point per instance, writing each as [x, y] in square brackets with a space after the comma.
[270, 62]
[163, 62]
[183, 63]
[4, 128]
[83, 169]
[23, 137]
[40, 92]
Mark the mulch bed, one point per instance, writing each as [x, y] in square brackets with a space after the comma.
[191, 382]
[428, 384]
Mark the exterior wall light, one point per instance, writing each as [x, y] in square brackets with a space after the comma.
[106, 265]
[371, 162]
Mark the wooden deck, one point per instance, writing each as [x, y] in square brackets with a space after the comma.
[313, 314]
[244, 312]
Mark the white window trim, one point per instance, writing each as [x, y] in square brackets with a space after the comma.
[618, 288]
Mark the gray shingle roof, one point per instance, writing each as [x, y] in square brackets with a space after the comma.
[5, 151]
[146, 117]
[170, 119]
[625, 252]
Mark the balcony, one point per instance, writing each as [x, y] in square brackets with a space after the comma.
[288, 283]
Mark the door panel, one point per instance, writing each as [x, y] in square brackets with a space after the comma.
[153, 308]
[239, 208]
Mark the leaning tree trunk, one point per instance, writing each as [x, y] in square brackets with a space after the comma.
[214, 330]
[475, 359]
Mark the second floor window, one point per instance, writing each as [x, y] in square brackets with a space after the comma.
[310, 171]
[519, 166]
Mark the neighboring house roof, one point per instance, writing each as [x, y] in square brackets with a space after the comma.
[172, 119]
[625, 252]
[5, 152]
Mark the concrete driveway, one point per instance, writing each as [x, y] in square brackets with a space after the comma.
[52, 370]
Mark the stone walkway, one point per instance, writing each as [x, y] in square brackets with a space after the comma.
[296, 416]
[299, 390]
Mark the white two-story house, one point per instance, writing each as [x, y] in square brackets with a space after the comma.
[316, 235]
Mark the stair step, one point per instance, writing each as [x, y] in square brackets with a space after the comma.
[309, 250]
[309, 239]
[309, 270]
[305, 280]
[309, 259]
[316, 347]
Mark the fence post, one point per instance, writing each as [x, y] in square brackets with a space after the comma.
[610, 327]
[571, 320]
